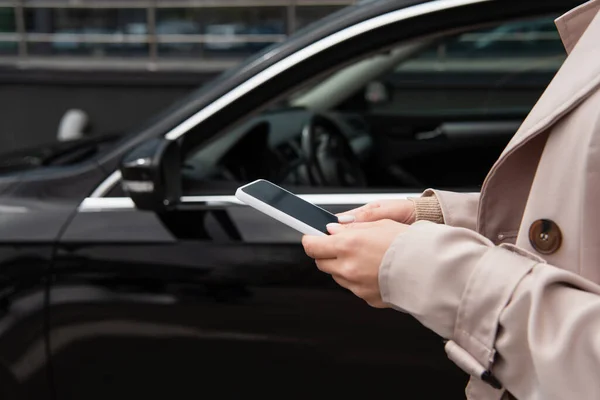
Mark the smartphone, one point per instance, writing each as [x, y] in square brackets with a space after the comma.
[286, 207]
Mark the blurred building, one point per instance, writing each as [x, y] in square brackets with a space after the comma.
[106, 66]
[121, 61]
[208, 35]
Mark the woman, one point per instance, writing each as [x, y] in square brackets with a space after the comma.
[509, 277]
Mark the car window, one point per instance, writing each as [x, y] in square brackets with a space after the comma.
[451, 102]
[486, 71]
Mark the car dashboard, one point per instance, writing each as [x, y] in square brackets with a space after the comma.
[270, 147]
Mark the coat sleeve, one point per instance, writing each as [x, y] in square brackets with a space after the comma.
[534, 326]
[458, 209]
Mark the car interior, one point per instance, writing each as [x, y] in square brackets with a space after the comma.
[435, 112]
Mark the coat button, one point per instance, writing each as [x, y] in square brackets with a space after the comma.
[545, 236]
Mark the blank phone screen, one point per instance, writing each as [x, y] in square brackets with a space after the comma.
[291, 204]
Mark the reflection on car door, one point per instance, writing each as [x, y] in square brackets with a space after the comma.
[216, 297]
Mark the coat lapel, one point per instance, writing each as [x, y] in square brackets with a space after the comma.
[575, 81]
[578, 77]
[573, 24]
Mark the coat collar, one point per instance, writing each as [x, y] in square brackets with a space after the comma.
[578, 77]
[573, 24]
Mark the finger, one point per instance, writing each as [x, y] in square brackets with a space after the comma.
[346, 219]
[359, 209]
[371, 214]
[320, 247]
[335, 229]
[353, 210]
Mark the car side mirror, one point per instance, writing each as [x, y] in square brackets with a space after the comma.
[151, 174]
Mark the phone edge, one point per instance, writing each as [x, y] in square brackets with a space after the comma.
[275, 213]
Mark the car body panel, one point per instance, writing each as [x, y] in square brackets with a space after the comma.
[160, 317]
[35, 206]
[24, 362]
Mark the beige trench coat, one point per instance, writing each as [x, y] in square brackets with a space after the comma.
[526, 313]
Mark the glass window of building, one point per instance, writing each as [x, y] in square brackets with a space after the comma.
[7, 20]
[85, 31]
[213, 30]
[8, 39]
[218, 31]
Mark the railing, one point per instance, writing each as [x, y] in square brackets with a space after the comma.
[35, 31]
[205, 35]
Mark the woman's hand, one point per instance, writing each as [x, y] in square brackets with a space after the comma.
[352, 255]
[402, 211]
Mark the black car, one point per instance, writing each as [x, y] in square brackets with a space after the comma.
[172, 289]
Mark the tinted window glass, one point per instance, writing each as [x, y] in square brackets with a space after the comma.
[432, 113]
[499, 69]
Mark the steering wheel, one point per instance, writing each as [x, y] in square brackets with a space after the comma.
[330, 159]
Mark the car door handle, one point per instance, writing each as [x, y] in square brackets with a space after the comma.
[470, 130]
[437, 133]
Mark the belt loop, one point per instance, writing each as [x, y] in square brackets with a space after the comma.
[469, 364]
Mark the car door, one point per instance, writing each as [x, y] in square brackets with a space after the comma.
[214, 297]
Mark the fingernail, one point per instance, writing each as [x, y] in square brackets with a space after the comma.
[332, 225]
[346, 219]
